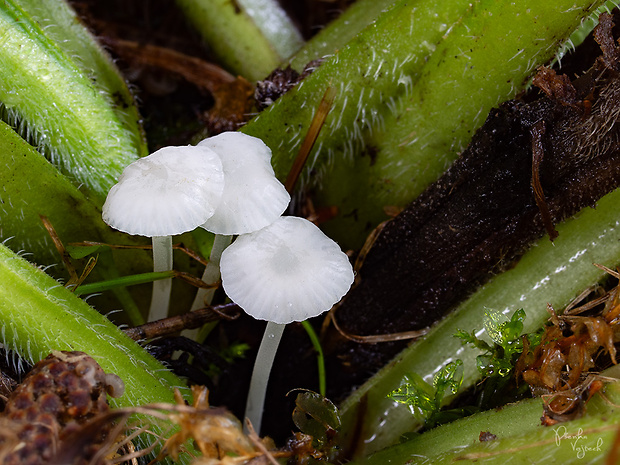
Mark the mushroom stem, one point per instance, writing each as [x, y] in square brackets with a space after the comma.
[162, 261]
[260, 374]
[211, 274]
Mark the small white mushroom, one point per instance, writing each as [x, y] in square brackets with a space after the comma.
[171, 191]
[253, 197]
[288, 271]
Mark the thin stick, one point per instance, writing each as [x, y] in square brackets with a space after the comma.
[189, 252]
[375, 338]
[537, 131]
[258, 443]
[190, 320]
[310, 139]
[64, 255]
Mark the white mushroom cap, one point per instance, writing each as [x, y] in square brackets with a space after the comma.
[171, 191]
[253, 197]
[288, 271]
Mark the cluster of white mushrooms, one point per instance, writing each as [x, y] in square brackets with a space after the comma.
[280, 268]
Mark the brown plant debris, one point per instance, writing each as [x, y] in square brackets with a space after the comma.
[279, 82]
[485, 211]
[233, 95]
[45, 412]
[560, 368]
[215, 431]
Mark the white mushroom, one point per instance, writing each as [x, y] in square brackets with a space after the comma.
[172, 191]
[288, 271]
[253, 197]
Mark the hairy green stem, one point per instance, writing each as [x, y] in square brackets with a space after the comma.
[62, 25]
[411, 89]
[55, 102]
[32, 187]
[336, 34]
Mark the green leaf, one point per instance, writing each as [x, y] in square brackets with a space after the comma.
[122, 281]
[315, 415]
[468, 338]
[493, 324]
[415, 393]
[44, 191]
[62, 25]
[81, 251]
[519, 436]
[448, 379]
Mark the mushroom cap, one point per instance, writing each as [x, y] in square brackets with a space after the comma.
[253, 197]
[171, 191]
[288, 271]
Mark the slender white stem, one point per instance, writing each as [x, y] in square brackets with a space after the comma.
[260, 375]
[211, 274]
[162, 261]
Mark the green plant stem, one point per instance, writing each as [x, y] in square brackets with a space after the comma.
[31, 187]
[511, 420]
[101, 286]
[336, 34]
[411, 90]
[320, 359]
[249, 37]
[549, 272]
